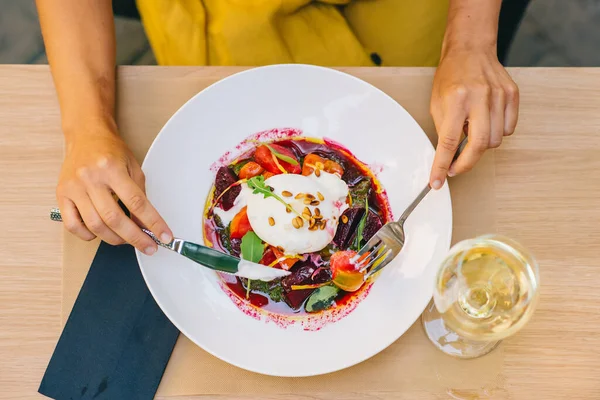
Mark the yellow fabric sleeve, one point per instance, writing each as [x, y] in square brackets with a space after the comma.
[325, 32]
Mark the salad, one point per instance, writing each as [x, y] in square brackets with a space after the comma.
[303, 205]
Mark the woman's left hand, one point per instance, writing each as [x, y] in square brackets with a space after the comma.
[470, 86]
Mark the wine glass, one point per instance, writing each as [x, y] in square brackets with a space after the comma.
[485, 290]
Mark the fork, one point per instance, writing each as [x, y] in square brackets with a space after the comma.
[389, 240]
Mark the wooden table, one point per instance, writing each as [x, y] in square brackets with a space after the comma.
[547, 194]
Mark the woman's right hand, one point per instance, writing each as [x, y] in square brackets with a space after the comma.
[97, 166]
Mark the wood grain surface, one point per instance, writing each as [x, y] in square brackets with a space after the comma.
[547, 194]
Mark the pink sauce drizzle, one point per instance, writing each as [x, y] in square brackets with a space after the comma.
[376, 168]
[308, 322]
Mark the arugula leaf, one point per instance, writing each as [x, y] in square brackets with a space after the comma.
[252, 247]
[258, 186]
[361, 225]
[282, 157]
[321, 299]
[252, 250]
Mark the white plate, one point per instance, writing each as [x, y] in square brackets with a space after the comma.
[323, 103]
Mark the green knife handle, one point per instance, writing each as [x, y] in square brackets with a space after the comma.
[210, 257]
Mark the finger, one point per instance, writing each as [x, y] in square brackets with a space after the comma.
[479, 139]
[140, 179]
[72, 220]
[114, 217]
[136, 202]
[449, 138]
[497, 118]
[93, 221]
[511, 114]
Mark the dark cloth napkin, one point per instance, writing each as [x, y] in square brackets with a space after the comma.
[116, 342]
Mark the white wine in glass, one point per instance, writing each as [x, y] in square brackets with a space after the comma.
[486, 290]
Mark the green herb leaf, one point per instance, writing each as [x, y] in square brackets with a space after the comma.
[223, 232]
[321, 299]
[273, 289]
[258, 186]
[282, 157]
[360, 192]
[225, 237]
[361, 225]
[276, 293]
[252, 247]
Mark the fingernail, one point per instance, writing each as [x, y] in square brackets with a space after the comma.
[149, 251]
[437, 184]
[165, 237]
[451, 172]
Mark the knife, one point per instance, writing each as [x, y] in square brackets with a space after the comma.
[210, 258]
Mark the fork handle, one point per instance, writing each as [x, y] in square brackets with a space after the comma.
[427, 188]
[414, 204]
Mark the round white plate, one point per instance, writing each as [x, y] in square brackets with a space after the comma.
[323, 103]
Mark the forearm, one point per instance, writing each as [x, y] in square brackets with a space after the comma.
[472, 25]
[80, 43]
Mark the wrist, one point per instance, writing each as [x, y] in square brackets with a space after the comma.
[472, 26]
[89, 126]
[456, 46]
[469, 41]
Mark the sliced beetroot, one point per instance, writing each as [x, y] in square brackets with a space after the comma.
[225, 178]
[346, 231]
[372, 225]
[352, 176]
[321, 275]
[301, 275]
[296, 298]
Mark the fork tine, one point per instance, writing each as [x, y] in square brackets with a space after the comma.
[377, 268]
[367, 248]
[366, 259]
[380, 257]
[366, 252]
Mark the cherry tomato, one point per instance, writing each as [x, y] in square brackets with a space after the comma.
[240, 225]
[268, 161]
[251, 169]
[264, 157]
[292, 168]
[268, 257]
[345, 272]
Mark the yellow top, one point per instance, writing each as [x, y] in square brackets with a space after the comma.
[321, 32]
